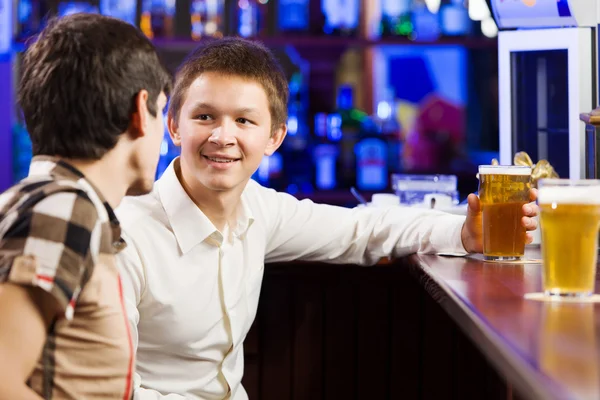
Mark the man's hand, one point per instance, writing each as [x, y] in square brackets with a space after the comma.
[472, 230]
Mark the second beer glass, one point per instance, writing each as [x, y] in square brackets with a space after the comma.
[503, 190]
[569, 218]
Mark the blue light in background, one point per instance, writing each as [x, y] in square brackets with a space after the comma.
[293, 15]
[122, 9]
[74, 7]
[5, 26]
[334, 127]
[340, 14]
[292, 125]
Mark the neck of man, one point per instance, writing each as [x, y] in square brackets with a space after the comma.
[110, 175]
[220, 207]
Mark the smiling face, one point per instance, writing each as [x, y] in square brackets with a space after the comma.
[224, 130]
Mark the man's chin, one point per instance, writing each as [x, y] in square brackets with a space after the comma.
[221, 185]
[140, 188]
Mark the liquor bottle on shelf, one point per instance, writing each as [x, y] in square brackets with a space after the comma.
[206, 18]
[371, 158]
[156, 20]
[350, 123]
[389, 126]
[396, 18]
[341, 17]
[426, 23]
[248, 17]
[325, 159]
[328, 133]
[454, 18]
[297, 173]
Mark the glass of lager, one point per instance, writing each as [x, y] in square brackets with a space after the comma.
[569, 219]
[503, 190]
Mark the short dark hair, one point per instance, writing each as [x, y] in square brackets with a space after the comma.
[236, 57]
[80, 81]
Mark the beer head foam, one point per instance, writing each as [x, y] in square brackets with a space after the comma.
[569, 194]
[504, 170]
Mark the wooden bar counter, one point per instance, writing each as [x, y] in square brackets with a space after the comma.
[420, 327]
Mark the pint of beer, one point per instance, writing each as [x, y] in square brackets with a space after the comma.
[503, 190]
[569, 219]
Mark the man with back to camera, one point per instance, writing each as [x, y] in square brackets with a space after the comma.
[92, 94]
[198, 243]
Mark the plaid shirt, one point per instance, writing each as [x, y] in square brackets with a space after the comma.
[58, 233]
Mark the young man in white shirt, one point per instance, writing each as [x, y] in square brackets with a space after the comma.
[198, 243]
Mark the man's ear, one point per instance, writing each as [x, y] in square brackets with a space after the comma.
[173, 126]
[276, 139]
[139, 118]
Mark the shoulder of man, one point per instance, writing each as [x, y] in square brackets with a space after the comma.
[48, 230]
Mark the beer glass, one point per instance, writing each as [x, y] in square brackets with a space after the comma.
[503, 190]
[569, 219]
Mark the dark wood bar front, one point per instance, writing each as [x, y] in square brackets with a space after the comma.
[421, 327]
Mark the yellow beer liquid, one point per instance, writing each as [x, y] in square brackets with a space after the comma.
[502, 198]
[569, 247]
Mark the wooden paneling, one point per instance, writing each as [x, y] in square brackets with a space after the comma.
[345, 332]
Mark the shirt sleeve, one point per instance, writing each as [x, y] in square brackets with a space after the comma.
[49, 245]
[363, 235]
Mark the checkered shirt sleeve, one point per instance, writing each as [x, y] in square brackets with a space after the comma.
[46, 241]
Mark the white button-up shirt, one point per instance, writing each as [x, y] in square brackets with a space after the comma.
[192, 291]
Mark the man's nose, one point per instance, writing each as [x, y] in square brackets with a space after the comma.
[224, 134]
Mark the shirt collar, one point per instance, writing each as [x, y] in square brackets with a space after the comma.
[190, 225]
[55, 167]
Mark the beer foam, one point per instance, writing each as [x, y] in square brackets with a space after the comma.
[504, 170]
[569, 194]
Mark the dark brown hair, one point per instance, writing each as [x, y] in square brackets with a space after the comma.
[80, 81]
[236, 57]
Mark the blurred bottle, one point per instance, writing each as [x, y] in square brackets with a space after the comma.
[207, 18]
[425, 20]
[248, 17]
[396, 18]
[350, 123]
[454, 18]
[386, 118]
[325, 159]
[371, 158]
[156, 19]
[341, 17]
